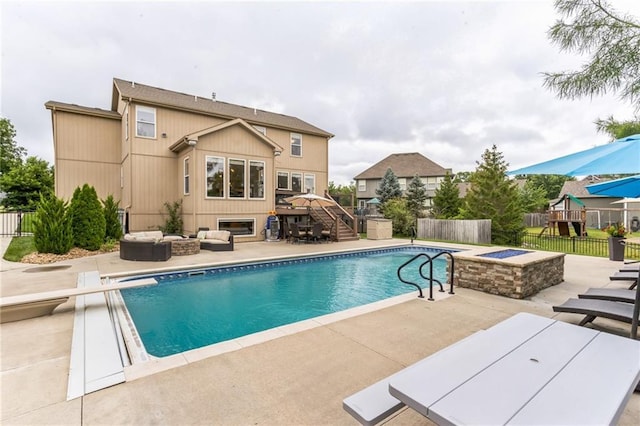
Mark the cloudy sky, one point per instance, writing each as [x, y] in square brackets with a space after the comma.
[447, 79]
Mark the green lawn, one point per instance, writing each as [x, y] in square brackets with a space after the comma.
[19, 247]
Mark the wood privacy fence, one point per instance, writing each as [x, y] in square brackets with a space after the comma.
[535, 220]
[461, 231]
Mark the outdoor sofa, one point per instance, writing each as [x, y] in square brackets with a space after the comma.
[215, 240]
[147, 246]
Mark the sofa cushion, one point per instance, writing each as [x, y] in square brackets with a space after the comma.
[218, 235]
[201, 235]
[171, 237]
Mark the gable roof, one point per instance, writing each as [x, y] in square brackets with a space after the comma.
[404, 165]
[577, 189]
[184, 141]
[161, 97]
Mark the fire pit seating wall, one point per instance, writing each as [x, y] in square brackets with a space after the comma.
[215, 240]
[147, 246]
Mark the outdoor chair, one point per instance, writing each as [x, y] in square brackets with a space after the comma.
[316, 232]
[296, 234]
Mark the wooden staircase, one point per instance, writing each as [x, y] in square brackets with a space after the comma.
[333, 218]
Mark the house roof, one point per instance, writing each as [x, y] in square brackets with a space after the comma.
[184, 141]
[161, 97]
[404, 165]
[577, 189]
[60, 106]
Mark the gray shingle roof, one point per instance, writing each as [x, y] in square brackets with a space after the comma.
[161, 97]
[404, 166]
[82, 109]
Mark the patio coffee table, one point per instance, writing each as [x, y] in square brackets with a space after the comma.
[185, 246]
[524, 370]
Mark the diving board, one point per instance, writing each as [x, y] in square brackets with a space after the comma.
[24, 306]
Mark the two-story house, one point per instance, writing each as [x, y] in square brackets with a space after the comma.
[405, 166]
[226, 163]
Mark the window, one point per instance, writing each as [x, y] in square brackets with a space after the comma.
[261, 129]
[296, 182]
[296, 145]
[186, 176]
[310, 183]
[145, 122]
[403, 183]
[236, 178]
[431, 183]
[283, 180]
[256, 179]
[362, 185]
[241, 227]
[215, 177]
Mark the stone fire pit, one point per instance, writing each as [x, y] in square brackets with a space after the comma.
[508, 272]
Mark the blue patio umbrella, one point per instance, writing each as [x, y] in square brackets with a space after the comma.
[621, 156]
[628, 187]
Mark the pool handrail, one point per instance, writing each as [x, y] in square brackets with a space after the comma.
[430, 278]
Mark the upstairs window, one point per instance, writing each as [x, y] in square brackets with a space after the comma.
[215, 177]
[186, 176]
[145, 122]
[403, 183]
[256, 179]
[362, 185]
[310, 183]
[283, 180]
[261, 129]
[236, 178]
[296, 145]
[296, 182]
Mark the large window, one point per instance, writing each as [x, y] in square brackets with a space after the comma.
[296, 182]
[283, 180]
[256, 179]
[362, 185]
[215, 177]
[310, 183]
[145, 122]
[296, 145]
[402, 182]
[236, 178]
[186, 176]
[240, 227]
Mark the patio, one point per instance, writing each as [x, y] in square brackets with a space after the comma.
[295, 379]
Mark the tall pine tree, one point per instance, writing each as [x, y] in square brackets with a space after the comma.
[389, 187]
[493, 196]
[447, 202]
[416, 197]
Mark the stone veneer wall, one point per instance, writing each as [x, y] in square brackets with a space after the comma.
[517, 281]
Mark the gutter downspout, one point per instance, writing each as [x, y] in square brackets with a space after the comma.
[54, 118]
[195, 187]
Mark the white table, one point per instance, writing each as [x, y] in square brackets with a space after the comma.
[525, 370]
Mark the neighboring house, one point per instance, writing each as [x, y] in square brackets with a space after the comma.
[227, 163]
[405, 167]
[601, 210]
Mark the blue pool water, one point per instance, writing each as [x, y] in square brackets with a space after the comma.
[503, 254]
[185, 312]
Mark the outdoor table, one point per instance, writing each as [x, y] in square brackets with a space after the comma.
[524, 370]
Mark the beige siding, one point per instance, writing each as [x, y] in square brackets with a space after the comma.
[87, 150]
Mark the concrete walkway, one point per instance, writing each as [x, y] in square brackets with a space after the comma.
[299, 379]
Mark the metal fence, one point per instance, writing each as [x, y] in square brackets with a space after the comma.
[574, 245]
[16, 224]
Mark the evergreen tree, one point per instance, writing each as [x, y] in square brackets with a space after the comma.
[447, 202]
[492, 195]
[89, 225]
[389, 187]
[52, 230]
[416, 197]
[113, 229]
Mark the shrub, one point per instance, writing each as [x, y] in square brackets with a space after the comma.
[173, 224]
[113, 228]
[87, 216]
[52, 230]
[396, 210]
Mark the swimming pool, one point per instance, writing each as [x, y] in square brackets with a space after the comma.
[192, 309]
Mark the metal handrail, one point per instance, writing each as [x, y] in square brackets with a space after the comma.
[430, 278]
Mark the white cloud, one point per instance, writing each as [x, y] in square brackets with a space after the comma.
[446, 79]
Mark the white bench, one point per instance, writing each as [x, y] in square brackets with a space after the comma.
[373, 404]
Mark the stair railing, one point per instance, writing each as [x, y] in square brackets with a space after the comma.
[429, 261]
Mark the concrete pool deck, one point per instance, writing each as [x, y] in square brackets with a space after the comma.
[299, 378]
